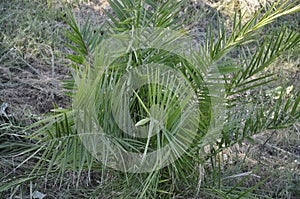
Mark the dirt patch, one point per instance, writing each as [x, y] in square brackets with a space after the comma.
[26, 92]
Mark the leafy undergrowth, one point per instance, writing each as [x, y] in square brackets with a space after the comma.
[32, 65]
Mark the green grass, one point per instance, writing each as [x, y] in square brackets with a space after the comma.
[31, 30]
[31, 56]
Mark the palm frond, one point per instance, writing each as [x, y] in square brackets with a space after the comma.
[134, 14]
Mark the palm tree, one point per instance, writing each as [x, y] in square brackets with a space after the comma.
[153, 91]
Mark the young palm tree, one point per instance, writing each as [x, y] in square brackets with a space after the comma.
[149, 89]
